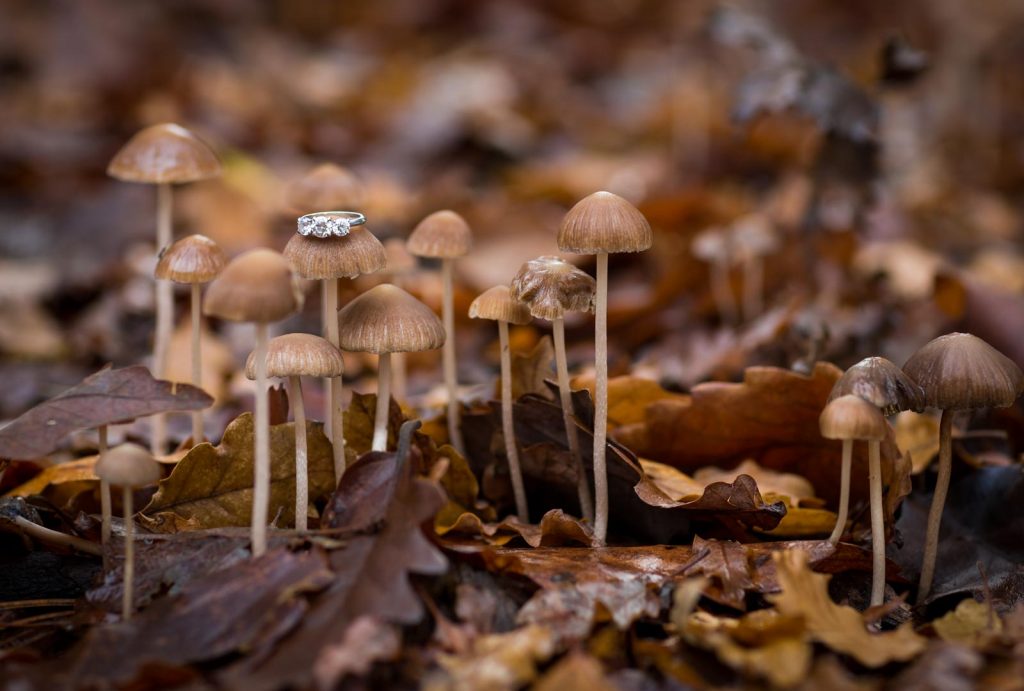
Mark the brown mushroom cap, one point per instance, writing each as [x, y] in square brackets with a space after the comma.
[327, 187]
[257, 286]
[959, 371]
[192, 259]
[851, 417]
[355, 254]
[604, 222]
[882, 384]
[498, 304]
[299, 355]
[386, 319]
[400, 260]
[551, 286]
[128, 465]
[164, 153]
[442, 235]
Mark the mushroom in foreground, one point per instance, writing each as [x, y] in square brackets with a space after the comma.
[714, 247]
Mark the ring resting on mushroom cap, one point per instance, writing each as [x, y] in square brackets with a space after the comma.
[325, 224]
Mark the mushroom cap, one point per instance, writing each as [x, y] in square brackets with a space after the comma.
[192, 259]
[386, 319]
[442, 235]
[299, 355]
[712, 244]
[882, 384]
[164, 153]
[327, 187]
[604, 223]
[753, 236]
[355, 254]
[128, 465]
[257, 286]
[399, 259]
[851, 417]
[551, 286]
[498, 304]
[959, 371]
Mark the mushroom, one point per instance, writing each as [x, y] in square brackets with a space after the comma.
[445, 235]
[714, 246]
[850, 418]
[193, 260]
[385, 320]
[600, 224]
[401, 265]
[498, 304]
[957, 371]
[550, 287]
[328, 259]
[327, 187]
[753, 239]
[106, 510]
[163, 155]
[292, 357]
[128, 466]
[256, 287]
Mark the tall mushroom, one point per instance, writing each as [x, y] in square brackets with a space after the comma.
[550, 287]
[957, 371]
[193, 260]
[498, 304]
[385, 320]
[445, 235]
[601, 224]
[163, 155]
[129, 466]
[714, 246]
[753, 239]
[293, 356]
[256, 287]
[401, 266]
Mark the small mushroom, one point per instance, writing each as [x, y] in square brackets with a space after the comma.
[385, 320]
[327, 187]
[292, 357]
[106, 509]
[193, 260]
[498, 304]
[256, 287]
[401, 265]
[129, 466]
[714, 246]
[957, 371]
[753, 239]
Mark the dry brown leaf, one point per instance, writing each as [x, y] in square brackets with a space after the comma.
[577, 671]
[555, 528]
[531, 370]
[367, 640]
[789, 486]
[76, 471]
[918, 435]
[628, 397]
[726, 564]
[499, 662]
[972, 623]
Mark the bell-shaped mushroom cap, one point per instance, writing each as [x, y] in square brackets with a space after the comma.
[442, 234]
[299, 355]
[192, 259]
[753, 236]
[498, 304]
[326, 188]
[400, 259]
[604, 223]
[551, 286]
[851, 417]
[164, 153]
[882, 384]
[257, 286]
[355, 254]
[128, 465]
[712, 245]
[962, 372]
[386, 319]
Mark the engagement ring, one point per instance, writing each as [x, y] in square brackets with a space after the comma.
[324, 224]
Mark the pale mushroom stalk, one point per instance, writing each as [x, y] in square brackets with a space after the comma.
[722, 291]
[448, 356]
[330, 326]
[601, 400]
[197, 359]
[844, 492]
[931, 542]
[399, 376]
[565, 396]
[127, 594]
[105, 499]
[508, 426]
[380, 421]
[301, 454]
[753, 286]
[261, 476]
[164, 311]
[338, 423]
[877, 523]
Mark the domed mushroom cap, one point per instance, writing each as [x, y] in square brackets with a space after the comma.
[299, 355]
[128, 465]
[327, 187]
[882, 384]
[753, 236]
[386, 319]
[498, 304]
[551, 286]
[164, 153]
[355, 254]
[399, 259]
[962, 372]
[192, 259]
[851, 417]
[712, 244]
[604, 222]
[442, 234]
[257, 286]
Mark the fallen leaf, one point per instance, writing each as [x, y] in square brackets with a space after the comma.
[918, 435]
[532, 370]
[359, 421]
[789, 486]
[725, 563]
[628, 397]
[571, 610]
[555, 528]
[972, 623]
[367, 640]
[77, 471]
[498, 662]
[577, 671]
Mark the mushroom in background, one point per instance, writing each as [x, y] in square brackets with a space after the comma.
[753, 239]
[714, 247]
[401, 265]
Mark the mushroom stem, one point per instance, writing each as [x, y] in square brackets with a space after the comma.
[398, 367]
[301, 456]
[329, 318]
[722, 292]
[127, 599]
[164, 312]
[380, 422]
[197, 360]
[877, 523]
[601, 400]
[931, 543]
[261, 470]
[508, 429]
[105, 501]
[565, 395]
[844, 492]
[338, 423]
[448, 357]
[54, 537]
[753, 287]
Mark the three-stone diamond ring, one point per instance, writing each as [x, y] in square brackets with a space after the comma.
[325, 224]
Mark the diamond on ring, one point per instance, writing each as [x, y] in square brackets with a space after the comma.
[325, 224]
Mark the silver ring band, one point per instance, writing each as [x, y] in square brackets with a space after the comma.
[325, 224]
